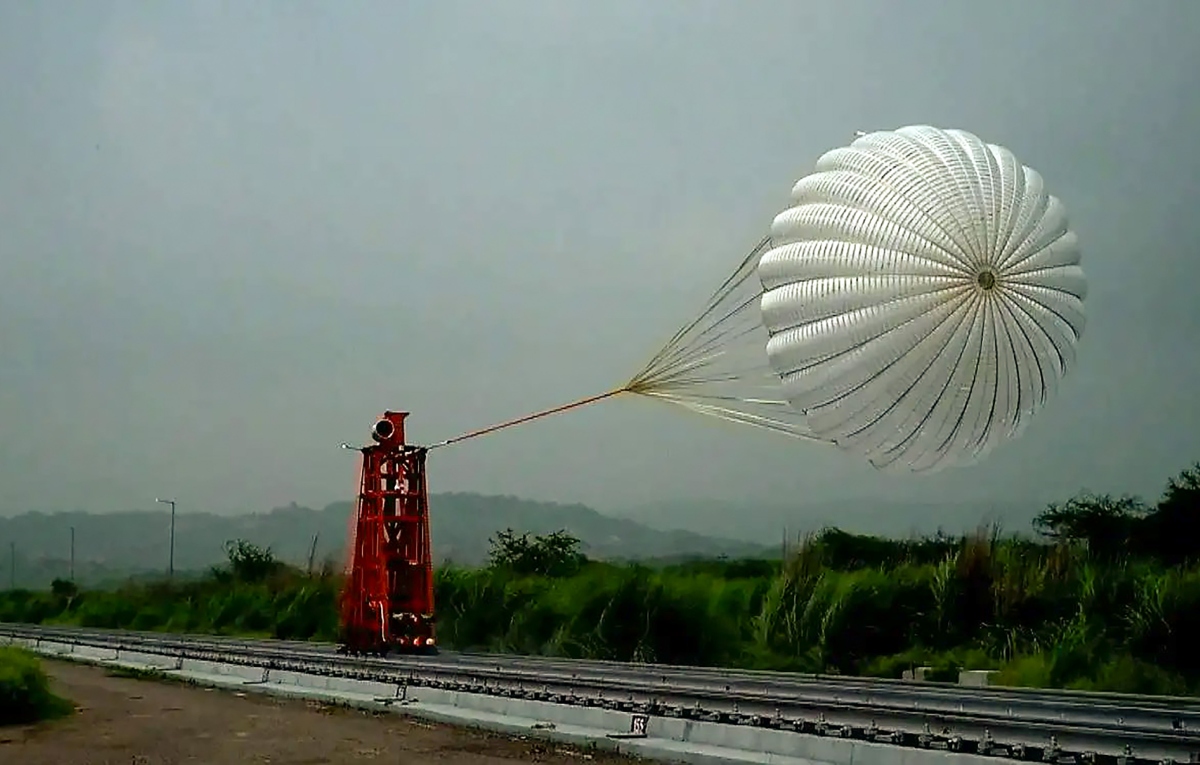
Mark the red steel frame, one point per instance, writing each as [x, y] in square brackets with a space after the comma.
[387, 598]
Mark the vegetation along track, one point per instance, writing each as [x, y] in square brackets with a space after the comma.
[1047, 726]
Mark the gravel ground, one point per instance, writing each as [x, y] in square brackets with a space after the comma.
[125, 721]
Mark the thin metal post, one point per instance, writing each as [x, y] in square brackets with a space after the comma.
[171, 558]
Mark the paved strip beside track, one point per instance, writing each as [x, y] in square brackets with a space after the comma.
[705, 707]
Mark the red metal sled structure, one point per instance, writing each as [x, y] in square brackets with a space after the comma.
[387, 598]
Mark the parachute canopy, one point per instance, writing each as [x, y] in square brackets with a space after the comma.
[923, 297]
[916, 305]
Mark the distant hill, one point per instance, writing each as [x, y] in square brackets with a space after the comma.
[123, 544]
[765, 523]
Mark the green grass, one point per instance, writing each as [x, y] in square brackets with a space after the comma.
[25, 695]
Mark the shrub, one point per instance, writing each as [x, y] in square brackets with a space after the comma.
[25, 694]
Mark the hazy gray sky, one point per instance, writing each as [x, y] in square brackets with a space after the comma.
[231, 234]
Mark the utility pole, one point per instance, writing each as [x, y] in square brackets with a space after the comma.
[72, 554]
[171, 559]
[12, 565]
[312, 552]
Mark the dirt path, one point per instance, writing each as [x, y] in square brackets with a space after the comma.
[122, 721]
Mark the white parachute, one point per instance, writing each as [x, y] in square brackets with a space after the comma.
[916, 304]
[924, 296]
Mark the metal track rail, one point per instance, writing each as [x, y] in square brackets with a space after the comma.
[1047, 726]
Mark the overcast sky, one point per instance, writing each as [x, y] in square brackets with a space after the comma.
[231, 234]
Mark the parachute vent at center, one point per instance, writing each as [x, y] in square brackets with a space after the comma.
[922, 295]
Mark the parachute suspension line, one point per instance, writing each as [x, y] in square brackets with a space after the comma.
[714, 365]
[677, 346]
[738, 416]
[530, 417]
